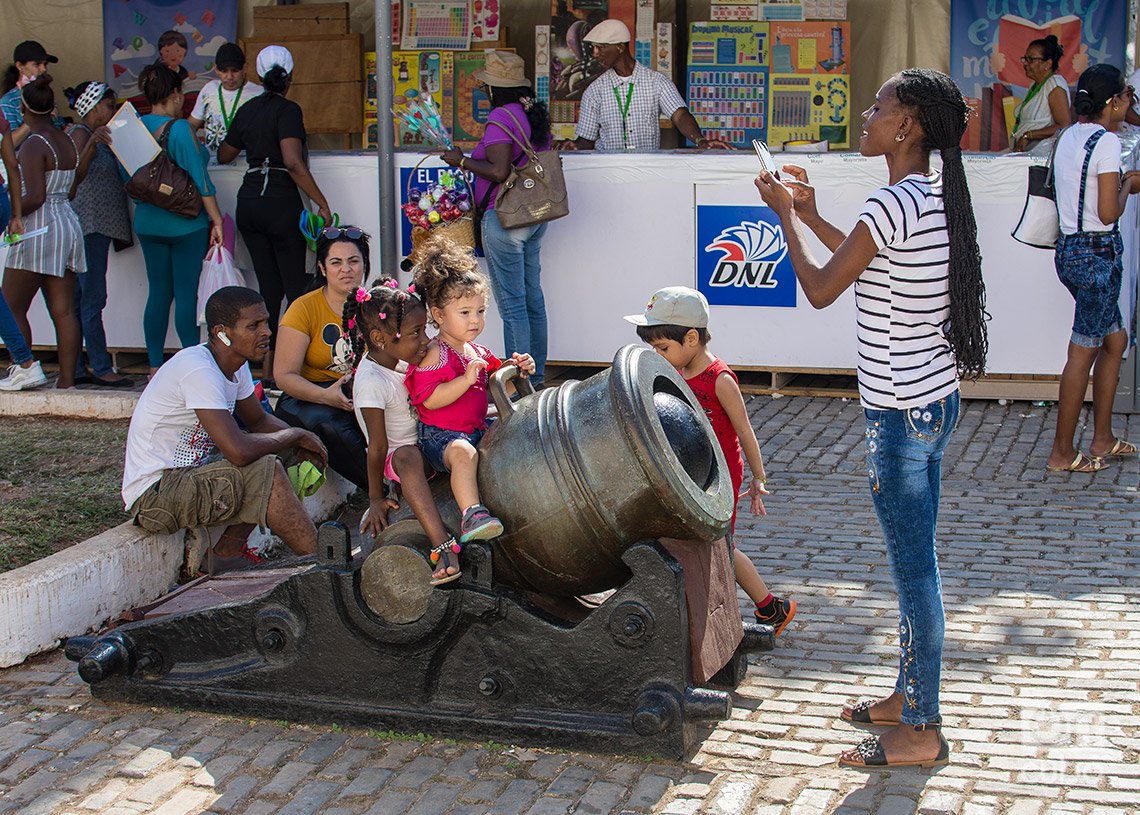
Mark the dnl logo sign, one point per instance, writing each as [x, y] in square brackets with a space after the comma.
[742, 257]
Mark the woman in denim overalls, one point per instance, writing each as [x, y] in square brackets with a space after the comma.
[1091, 196]
[914, 261]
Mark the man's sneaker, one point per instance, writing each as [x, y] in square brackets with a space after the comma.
[479, 525]
[19, 379]
[778, 614]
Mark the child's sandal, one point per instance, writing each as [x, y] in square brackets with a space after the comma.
[444, 557]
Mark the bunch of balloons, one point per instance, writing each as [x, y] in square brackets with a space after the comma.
[420, 115]
[444, 202]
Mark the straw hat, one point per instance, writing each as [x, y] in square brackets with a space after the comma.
[503, 70]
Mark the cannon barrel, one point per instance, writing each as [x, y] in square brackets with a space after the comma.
[581, 472]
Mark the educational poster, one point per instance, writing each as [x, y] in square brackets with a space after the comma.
[470, 106]
[421, 72]
[728, 80]
[986, 48]
[484, 20]
[131, 29]
[811, 48]
[572, 64]
[436, 24]
[809, 108]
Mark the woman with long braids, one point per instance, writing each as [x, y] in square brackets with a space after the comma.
[1091, 196]
[913, 258]
[516, 118]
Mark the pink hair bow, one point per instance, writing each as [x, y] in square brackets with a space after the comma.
[363, 295]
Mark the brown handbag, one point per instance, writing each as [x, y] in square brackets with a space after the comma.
[534, 193]
[164, 184]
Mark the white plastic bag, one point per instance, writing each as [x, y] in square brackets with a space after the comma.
[218, 271]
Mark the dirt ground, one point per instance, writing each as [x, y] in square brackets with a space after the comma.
[59, 484]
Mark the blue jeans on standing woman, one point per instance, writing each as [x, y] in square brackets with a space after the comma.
[90, 300]
[904, 466]
[10, 333]
[513, 258]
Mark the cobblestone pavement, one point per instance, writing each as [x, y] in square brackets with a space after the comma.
[1040, 695]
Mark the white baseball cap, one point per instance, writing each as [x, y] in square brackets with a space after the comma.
[675, 305]
[608, 32]
[272, 56]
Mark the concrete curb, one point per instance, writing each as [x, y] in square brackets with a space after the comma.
[80, 588]
[68, 404]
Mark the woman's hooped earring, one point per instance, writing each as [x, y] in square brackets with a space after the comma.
[899, 137]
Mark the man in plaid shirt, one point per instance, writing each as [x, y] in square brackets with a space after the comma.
[620, 108]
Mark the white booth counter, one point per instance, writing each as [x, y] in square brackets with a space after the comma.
[641, 221]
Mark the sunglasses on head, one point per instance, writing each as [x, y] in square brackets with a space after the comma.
[332, 233]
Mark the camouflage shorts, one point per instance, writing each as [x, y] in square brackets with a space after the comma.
[215, 493]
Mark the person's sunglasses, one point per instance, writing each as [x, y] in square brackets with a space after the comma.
[1128, 91]
[1027, 60]
[332, 233]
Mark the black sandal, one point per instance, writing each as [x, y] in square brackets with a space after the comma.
[870, 754]
[447, 553]
[861, 714]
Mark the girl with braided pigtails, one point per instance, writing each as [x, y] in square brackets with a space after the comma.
[386, 330]
[914, 261]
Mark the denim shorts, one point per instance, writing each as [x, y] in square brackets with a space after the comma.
[434, 441]
[1091, 265]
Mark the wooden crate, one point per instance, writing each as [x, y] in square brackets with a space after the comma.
[300, 20]
[327, 77]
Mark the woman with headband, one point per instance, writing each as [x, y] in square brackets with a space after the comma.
[101, 203]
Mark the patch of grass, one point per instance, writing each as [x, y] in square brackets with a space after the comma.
[59, 484]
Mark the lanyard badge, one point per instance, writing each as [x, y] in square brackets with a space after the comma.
[624, 113]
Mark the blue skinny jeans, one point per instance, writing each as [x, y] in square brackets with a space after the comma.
[513, 260]
[14, 341]
[90, 300]
[904, 466]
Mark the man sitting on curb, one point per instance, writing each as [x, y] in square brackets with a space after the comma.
[174, 478]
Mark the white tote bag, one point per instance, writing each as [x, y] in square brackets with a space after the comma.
[1039, 224]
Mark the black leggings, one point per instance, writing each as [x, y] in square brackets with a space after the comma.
[269, 227]
[337, 429]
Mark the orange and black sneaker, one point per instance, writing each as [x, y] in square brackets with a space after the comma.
[777, 614]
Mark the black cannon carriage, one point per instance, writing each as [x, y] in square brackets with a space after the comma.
[613, 486]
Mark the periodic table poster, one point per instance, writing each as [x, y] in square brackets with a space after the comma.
[728, 80]
[443, 25]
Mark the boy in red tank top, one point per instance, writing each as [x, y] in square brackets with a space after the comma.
[675, 325]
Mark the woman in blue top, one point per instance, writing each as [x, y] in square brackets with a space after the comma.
[173, 245]
[512, 254]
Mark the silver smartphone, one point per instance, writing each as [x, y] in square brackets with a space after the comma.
[764, 156]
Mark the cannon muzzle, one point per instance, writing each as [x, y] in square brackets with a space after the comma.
[106, 656]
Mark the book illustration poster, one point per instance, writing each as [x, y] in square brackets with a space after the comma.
[131, 30]
[986, 47]
[470, 106]
[572, 63]
[421, 72]
[728, 80]
[811, 48]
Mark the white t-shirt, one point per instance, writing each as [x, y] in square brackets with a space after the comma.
[903, 298]
[209, 108]
[375, 386]
[1067, 164]
[165, 433]
[1036, 113]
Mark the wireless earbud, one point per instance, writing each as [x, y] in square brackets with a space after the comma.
[224, 338]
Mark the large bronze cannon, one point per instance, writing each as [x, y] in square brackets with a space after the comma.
[602, 485]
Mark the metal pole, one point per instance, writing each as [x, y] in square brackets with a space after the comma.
[385, 139]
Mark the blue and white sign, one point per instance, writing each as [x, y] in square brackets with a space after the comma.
[742, 257]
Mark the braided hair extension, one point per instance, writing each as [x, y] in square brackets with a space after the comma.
[447, 271]
[381, 307]
[942, 114]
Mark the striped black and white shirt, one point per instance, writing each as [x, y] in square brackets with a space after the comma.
[903, 298]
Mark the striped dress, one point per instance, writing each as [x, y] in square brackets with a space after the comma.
[903, 298]
[60, 249]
